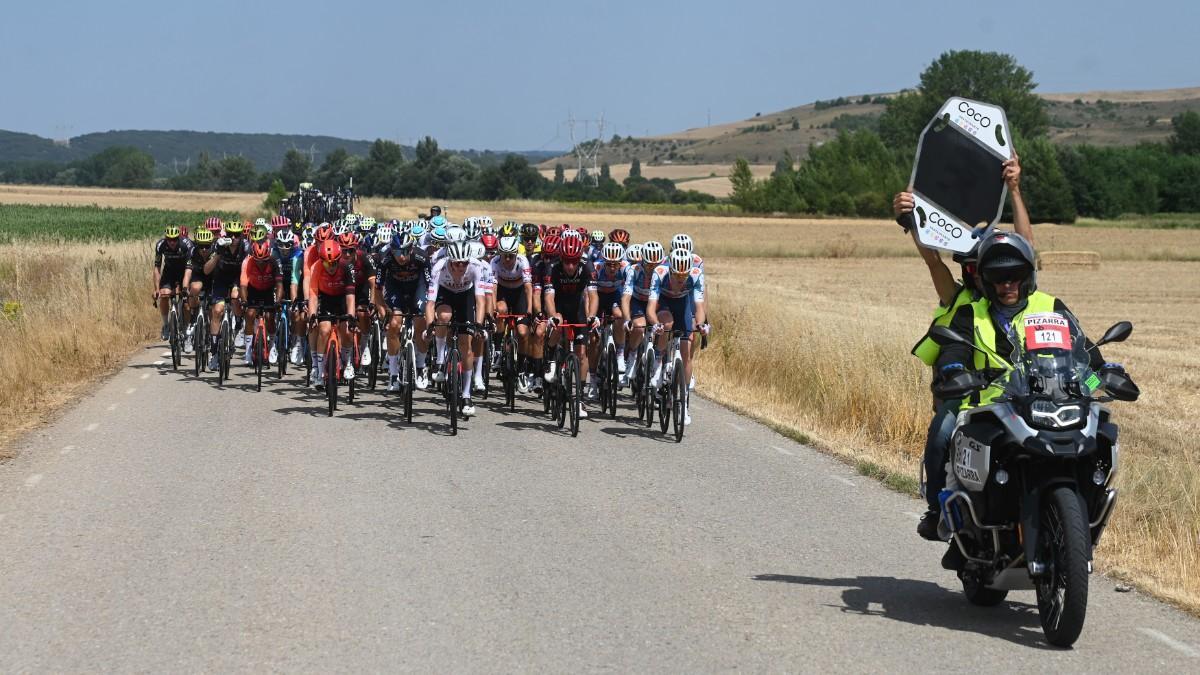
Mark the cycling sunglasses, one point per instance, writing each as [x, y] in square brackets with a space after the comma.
[1006, 276]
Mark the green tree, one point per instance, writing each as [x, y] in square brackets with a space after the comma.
[605, 172]
[745, 193]
[236, 174]
[334, 171]
[381, 168]
[296, 169]
[427, 151]
[785, 163]
[991, 77]
[274, 196]
[635, 167]
[117, 167]
[1186, 139]
[1043, 184]
[560, 175]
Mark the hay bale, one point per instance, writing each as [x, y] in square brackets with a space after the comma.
[1068, 259]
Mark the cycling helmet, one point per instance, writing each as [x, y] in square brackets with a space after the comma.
[280, 221]
[341, 227]
[613, 252]
[348, 241]
[472, 229]
[681, 261]
[350, 220]
[258, 233]
[323, 232]
[554, 230]
[183, 231]
[634, 254]
[572, 249]
[329, 251]
[384, 235]
[486, 222]
[530, 231]
[260, 250]
[455, 233]
[682, 241]
[1007, 256]
[438, 235]
[418, 230]
[434, 211]
[367, 224]
[260, 222]
[438, 221]
[233, 227]
[572, 234]
[509, 245]
[552, 246]
[458, 251]
[477, 250]
[489, 242]
[204, 238]
[402, 244]
[172, 232]
[619, 236]
[652, 253]
[583, 231]
[597, 236]
[212, 224]
[285, 238]
[509, 229]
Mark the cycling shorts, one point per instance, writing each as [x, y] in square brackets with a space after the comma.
[462, 304]
[682, 311]
[331, 304]
[403, 297]
[514, 298]
[607, 302]
[637, 308]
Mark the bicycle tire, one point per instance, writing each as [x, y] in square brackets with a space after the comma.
[173, 336]
[410, 376]
[453, 385]
[679, 404]
[614, 378]
[373, 346]
[283, 338]
[199, 343]
[647, 391]
[563, 382]
[574, 394]
[222, 348]
[485, 370]
[665, 396]
[256, 348]
[331, 375]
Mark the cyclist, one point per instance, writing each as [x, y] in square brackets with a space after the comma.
[195, 280]
[610, 284]
[235, 230]
[330, 290]
[405, 279]
[595, 252]
[479, 258]
[529, 240]
[570, 297]
[171, 255]
[290, 257]
[514, 295]
[684, 242]
[636, 295]
[456, 294]
[261, 284]
[675, 292]
[365, 274]
[541, 264]
[224, 270]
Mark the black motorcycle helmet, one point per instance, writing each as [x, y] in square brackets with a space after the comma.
[1007, 256]
[435, 210]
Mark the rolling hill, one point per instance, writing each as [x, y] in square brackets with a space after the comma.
[1098, 118]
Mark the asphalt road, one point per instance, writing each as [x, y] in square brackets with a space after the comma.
[165, 525]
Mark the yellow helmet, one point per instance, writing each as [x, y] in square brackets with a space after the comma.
[258, 234]
[172, 232]
[203, 237]
[234, 227]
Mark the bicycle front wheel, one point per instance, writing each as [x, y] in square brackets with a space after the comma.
[331, 376]
[453, 387]
[256, 349]
[680, 400]
[574, 389]
[176, 347]
[409, 379]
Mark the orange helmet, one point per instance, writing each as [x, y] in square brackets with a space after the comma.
[329, 250]
[324, 232]
[348, 241]
[260, 250]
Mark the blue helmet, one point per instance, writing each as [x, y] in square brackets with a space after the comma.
[417, 230]
[438, 234]
[438, 221]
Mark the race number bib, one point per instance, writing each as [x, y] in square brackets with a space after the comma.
[1047, 331]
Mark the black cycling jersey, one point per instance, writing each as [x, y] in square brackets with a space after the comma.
[417, 268]
[166, 257]
[229, 265]
[569, 287]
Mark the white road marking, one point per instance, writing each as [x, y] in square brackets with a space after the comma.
[164, 355]
[782, 451]
[840, 479]
[92, 427]
[736, 427]
[158, 363]
[145, 376]
[1181, 647]
[130, 390]
[33, 480]
[112, 407]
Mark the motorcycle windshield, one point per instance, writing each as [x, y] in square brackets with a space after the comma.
[1052, 363]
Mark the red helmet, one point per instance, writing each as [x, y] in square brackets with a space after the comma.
[183, 231]
[324, 232]
[551, 245]
[213, 224]
[260, 250]
[583, 232]
[619, 236]
[347, 240]
[329, 250]
[280, 221]
[490, 243]
[572, 248]
[553, 231]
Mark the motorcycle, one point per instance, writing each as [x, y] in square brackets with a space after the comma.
[1030, 482]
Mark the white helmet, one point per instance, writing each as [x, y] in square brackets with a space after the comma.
[487, 224]
[458, 251]
[634, 254]
[383, 235]
[455, 233]
[285, 237]
[341, 227]
[478, 250]
[473, 229]
[570, 233]
[260, 222]
[351, 219]
[613, 252]
[682, 241]
[681, 261]
[509, 245]
[653, 253]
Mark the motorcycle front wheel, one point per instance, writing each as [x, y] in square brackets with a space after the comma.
[1063, 545]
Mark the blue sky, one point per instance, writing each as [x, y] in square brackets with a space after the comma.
[505, 75]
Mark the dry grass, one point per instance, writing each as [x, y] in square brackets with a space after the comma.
[823, 358]
[71, 313]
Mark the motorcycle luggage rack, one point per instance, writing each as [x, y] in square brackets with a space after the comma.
[994, 529]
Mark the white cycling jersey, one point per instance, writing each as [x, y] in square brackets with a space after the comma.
[443, 276]
[512, 277]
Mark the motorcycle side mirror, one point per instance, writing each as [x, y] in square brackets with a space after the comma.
[1119, 332]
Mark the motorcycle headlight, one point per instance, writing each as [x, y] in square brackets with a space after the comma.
[1050, 415]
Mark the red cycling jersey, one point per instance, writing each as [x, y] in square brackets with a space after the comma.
[261, 275]
[338, 281]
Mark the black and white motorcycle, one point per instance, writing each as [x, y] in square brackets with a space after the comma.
[1030, 485]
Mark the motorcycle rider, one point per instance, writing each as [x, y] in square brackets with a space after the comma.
[951, 296]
